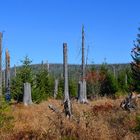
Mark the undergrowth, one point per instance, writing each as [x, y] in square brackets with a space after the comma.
[101, 119]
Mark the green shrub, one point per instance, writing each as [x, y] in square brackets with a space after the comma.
[5, 119]
[137, 128]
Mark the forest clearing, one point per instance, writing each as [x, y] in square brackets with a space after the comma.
[100, 119]
[69, 70]
[95, 104]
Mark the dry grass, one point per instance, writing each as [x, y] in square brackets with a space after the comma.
[101, 119]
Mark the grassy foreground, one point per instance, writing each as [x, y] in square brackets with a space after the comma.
[101, 119]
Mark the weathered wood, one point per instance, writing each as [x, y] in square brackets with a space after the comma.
[130, 102]
[15, 71]
[0, 64]
[67, 103]
[60, 113]
[68, 108]
[114, 72]
[53, 108]
[27, 98]
[7, 76]
[82, 93]
[126, 79]
[65, 72]
[48, 66]
[3, 79]
[55, 88]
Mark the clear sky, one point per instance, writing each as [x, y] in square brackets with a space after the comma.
[38, 28]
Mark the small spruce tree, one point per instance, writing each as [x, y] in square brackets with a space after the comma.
[109, 85]
[43, 86]
[135, 64]
[24, 74]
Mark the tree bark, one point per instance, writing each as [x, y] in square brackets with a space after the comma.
[67, 103]
[27, 98]
[0, 64]
[7, 76]
[55, 88]
[82, 93]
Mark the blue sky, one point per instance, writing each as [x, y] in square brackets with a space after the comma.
[38, 28]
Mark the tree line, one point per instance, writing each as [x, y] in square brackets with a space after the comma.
[100, 82]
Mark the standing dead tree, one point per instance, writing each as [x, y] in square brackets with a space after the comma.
[3, 79]
[55, 88]
[27, 98]
[15, 71]
[7, 76]
[0, 64]
[67, 103]
[82, 93]
[48, 67]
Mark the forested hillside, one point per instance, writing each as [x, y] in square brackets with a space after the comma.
[74, 69]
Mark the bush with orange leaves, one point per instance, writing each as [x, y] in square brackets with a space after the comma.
[94, 81]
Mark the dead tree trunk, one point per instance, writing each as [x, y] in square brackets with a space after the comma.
[7, 76]
[55, 88]
[67, 103]
[0, 64]
[126, 79]
[82, 84]
[114, 72]
[15, 71]
[27, 98]
[47, 63]
[3, 79]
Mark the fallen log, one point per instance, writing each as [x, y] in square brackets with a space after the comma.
[54, 109]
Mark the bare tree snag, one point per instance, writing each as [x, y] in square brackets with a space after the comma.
[3, 79]
[55, 88]
[67, 103]
[27, 98]
[7, 76]
[15, 71]
[48, 67]
[126, 79]
[82, 93]
[0, 64]
[114, 71]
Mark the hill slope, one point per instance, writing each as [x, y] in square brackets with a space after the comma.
[74, 70]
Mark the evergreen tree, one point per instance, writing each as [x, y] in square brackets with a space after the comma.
[24, 74]
[109, 85]
[60, 89]
[72, 88]
[123, 80]
[43, 86]
[135, 65]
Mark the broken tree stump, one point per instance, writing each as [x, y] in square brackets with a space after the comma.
[68, 108]
[130, 102]
[55, 88]
[27, 98]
